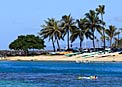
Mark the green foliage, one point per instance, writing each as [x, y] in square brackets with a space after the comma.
[93, 23]
[111, 33]
[117, 43]
[81, 31]
[68, 25]
[84, 27]
[27, 42]
[101, 10]
[52, 30]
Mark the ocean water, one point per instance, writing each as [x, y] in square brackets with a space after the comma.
[59, 74]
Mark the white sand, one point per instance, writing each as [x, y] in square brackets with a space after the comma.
[77, 58]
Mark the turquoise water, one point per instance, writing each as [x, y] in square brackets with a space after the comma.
[59, 74]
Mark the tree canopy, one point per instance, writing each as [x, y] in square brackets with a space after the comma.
[52, 30]
[89, 26]
[26, 42]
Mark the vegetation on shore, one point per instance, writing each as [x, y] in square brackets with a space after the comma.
[83, 28]
[93, 22]
[24, 43]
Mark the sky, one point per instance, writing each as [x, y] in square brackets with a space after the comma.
[22, 17]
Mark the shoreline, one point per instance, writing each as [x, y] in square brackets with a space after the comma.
[116, 58]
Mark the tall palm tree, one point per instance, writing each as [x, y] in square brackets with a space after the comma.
[57, 32]
[52, 31]
[94, 23]
[68, 25]
[81, 32]
[111, 32]
[101, 10]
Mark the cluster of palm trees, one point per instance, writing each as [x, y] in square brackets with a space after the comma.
[81, 28]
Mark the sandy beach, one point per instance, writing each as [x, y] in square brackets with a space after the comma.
[77, 58]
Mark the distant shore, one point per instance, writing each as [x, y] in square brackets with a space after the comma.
[77, 58]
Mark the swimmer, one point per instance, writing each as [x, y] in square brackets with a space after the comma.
[80, 77]
[89, 77]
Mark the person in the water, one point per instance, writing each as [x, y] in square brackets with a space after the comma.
[89, 77]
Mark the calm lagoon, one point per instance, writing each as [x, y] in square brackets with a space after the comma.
[59, 74]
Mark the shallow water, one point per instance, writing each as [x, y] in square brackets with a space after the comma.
[59, 74]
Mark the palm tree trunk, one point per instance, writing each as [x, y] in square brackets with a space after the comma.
[104, 40]
[110, 43]
[58, 45]
[80, 45]
[93, 41]
[53, 45]
[93, 44]
[103, 35]
[68, 40]
[118, 41]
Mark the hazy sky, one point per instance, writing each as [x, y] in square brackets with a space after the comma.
[19, 17]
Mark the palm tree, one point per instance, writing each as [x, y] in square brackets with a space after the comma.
[111, 32]
[81, 32]
[101, 10]
[104, 37]
[68, 26]
[52, 31]
[57, 32]
[120, 31]
[94, 23]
